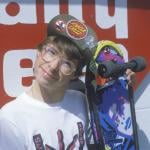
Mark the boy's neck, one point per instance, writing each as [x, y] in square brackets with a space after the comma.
[47, 95]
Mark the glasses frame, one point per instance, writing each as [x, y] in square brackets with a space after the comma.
[55, 54]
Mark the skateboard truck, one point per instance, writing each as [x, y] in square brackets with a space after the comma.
[112, 69]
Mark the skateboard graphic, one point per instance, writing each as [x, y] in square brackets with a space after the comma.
[111, 104]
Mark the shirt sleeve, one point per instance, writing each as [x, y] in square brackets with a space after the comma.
[10, 137]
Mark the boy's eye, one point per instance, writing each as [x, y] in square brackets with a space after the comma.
[52, 52]
[67, 63]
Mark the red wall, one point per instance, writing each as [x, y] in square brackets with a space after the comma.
[24, 36]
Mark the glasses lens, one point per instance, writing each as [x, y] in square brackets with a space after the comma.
[67, 67]
[50, 54]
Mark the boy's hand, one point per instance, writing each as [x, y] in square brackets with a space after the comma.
[131, 77]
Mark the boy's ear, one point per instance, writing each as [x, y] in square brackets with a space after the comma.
[38, 53]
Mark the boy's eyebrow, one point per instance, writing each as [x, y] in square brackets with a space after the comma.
[51, 47]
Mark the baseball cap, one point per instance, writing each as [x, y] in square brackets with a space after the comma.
[77, 31]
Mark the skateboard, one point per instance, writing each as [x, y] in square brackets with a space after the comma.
[111, 104]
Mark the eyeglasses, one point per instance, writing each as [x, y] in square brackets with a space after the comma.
[67, 67]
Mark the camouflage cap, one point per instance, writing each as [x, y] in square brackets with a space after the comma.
[78, 32]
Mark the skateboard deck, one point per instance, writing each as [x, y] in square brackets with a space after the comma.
[111, 104]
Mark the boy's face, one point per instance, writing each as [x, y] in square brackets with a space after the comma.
[53, 68]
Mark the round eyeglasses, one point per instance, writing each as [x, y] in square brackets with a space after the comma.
[67, 67]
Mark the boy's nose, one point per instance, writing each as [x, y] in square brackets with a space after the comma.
[55, 64]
